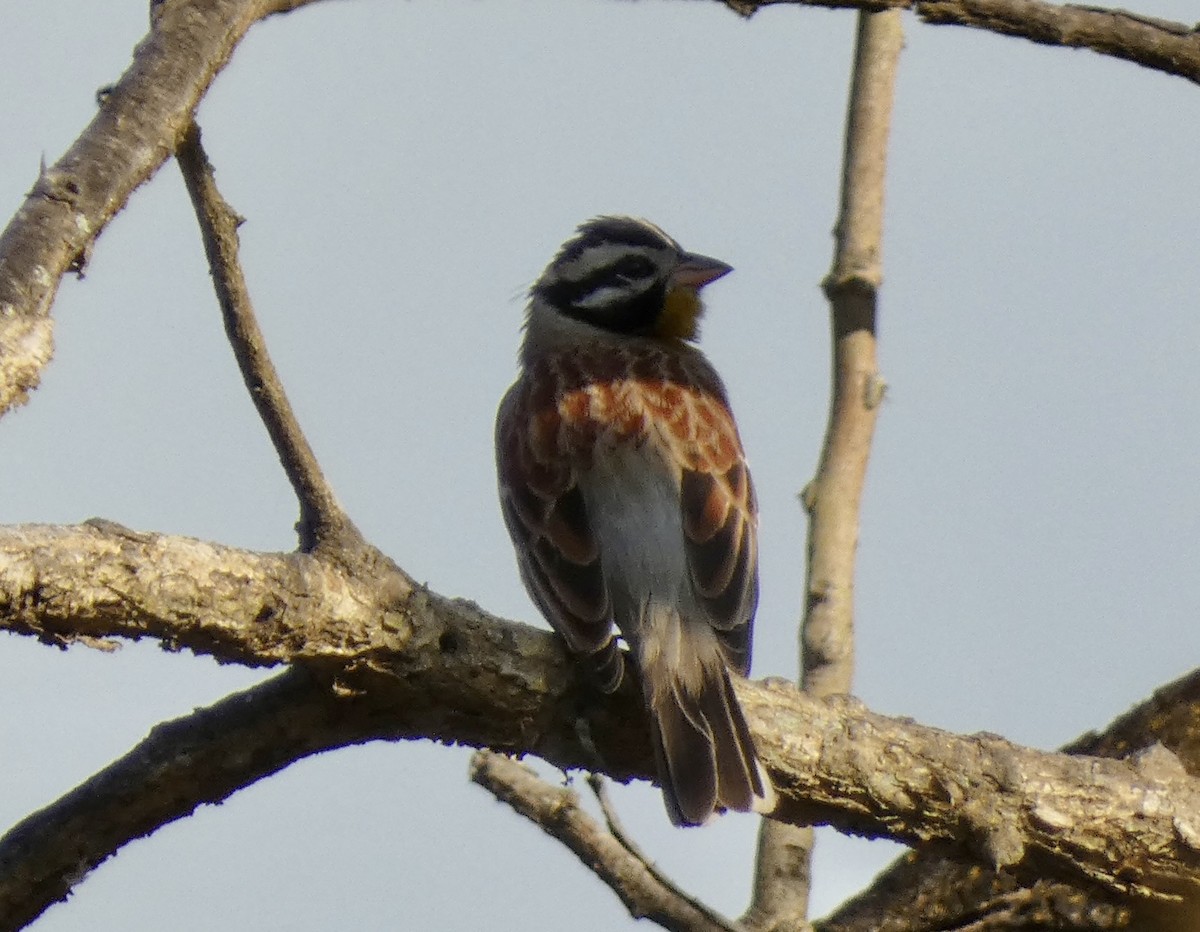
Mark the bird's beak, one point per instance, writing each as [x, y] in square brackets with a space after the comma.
[695, 271]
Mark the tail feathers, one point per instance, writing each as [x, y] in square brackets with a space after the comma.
[705, 755]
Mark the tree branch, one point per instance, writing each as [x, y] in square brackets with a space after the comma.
[392, 660]
[1172, 48]
[612, 856]
[142, 116]
[834, 497]
[322, 520]
[1009, 807]
[201, 758]
[929, 890]
[556, 811]
[599, 787]
[133, 133]
[415, 665]
[102, 580]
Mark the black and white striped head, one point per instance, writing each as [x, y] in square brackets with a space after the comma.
[627, 276]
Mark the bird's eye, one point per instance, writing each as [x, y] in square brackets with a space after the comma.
[633, 267]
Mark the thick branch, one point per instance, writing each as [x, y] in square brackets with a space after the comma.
[1173, 48]
[102, 580]
[928, 890]
[134, 132]
[201, 758]
[425, 667]
[457, 673]
[1003, 805]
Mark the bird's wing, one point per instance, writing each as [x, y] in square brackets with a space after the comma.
[717, 507]
[547, 518]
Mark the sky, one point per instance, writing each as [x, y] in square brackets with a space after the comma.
[1031, 527]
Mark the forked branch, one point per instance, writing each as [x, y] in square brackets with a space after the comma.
[190, 42]
[557, 812]
[422, 666]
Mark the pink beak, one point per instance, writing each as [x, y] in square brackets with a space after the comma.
[695, 271]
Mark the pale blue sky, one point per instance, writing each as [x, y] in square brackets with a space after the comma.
[1032, 523]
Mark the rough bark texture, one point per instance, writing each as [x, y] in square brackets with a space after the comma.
[383, 663]
[1011, 838]
[1173, 48]
[927, 891]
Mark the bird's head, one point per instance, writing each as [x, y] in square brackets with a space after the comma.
[626, 275]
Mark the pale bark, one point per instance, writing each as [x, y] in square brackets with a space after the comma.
[384, 664]
[833, 498]
[141, 118]
[373, 656]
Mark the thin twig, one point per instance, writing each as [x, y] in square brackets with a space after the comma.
[556, 811]
[784, 859]
[322, 519]
[599, 786]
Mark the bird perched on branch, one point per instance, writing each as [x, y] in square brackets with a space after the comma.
[626, 493]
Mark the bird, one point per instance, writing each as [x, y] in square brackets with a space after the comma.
[624, 487]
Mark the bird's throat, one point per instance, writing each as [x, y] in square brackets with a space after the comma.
[680, 317]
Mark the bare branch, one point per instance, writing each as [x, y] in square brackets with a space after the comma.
[645, 890]
[833, 498]
[1170, 717]
[190, 41]
[599, 788]
[1030, 812]
[427, 667]
[134, 132]
[101, 580]
[782, 877]
[201, 758]
[454, 672]
[557, 813]
[938, 892]
[1172, 48]
[928, 887]
[322, 520]
[423, 666]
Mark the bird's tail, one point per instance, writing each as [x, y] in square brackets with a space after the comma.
[705, 755]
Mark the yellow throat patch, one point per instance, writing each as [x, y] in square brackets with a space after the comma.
[680, 315]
